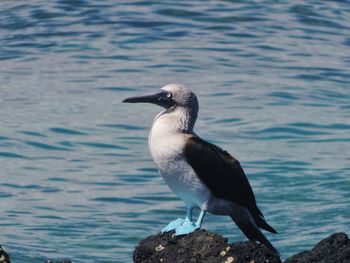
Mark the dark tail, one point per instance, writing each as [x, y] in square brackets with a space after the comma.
[260, 221]
[253, 233]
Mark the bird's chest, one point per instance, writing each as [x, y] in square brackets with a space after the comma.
[167, 152]
[165, 147]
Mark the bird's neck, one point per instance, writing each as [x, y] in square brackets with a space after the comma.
[167, 136]
[176, 120]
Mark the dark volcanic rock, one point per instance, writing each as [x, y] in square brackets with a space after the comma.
[200, 246]
[4, 258]
[333, 249]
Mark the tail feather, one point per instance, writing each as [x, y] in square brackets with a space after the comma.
[260, 221]
[253, 233]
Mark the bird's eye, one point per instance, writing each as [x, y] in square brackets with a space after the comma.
[168, 95]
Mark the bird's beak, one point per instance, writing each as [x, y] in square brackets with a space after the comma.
[161, 99]
[153, 98]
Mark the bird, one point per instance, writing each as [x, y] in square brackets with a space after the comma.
[200, 173]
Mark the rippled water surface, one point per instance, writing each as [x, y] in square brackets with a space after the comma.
[77, 180]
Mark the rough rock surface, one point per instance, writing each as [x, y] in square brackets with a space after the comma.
[4, 258]
[200, 246]
[205, 247]
[333, 249]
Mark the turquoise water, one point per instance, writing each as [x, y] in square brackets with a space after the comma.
[77, 180]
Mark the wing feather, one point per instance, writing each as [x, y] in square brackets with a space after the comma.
[221, 173]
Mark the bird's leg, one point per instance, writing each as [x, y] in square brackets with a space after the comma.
[180, 221]
[189, 227]
[189, 214]
[200, 219]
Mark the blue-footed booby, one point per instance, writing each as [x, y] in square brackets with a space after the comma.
[202, 174]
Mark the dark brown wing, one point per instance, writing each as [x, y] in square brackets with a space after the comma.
[221, 173]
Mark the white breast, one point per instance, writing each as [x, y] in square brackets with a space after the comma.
[166, 145]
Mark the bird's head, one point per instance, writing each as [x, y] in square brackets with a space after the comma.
[170, 96]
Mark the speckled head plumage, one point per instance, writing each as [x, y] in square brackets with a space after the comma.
[180, 104]
[182, 96]
[171, 95]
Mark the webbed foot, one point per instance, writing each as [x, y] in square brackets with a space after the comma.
[174, 224]
[186, 228]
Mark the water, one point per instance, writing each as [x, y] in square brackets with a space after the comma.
[76, 178]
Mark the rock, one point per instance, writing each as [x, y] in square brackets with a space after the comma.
[333, 249]
[200, 246]
[4, 258]
[206, 247]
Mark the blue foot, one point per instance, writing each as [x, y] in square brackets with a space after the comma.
[174, 224]
[186, 228]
